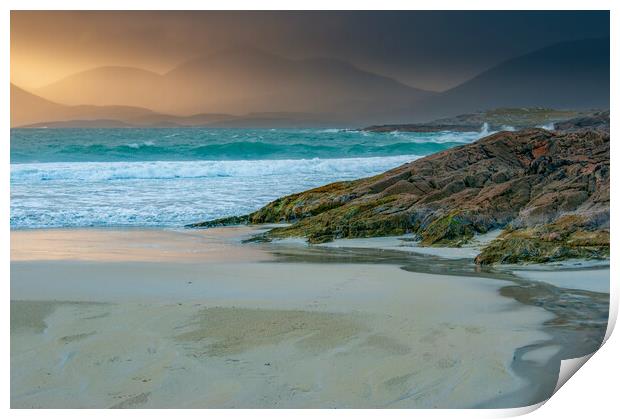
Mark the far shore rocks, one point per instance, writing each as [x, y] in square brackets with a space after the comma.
[504, 119]
[424, 128]
[548, 191]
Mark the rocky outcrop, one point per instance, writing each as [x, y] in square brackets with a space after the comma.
[569, 237]
[598, 121]
[548, 190]
[429, 127]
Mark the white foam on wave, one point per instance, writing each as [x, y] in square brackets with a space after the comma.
[167, 193]
[108, 171]
[549, 127]
[140, 145]
[484, 131]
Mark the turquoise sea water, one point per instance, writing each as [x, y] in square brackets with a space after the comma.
[170, 177]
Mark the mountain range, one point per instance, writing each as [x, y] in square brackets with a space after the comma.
[245, 87]
[569, 75]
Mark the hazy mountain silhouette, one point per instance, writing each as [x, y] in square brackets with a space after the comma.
[103, 86]
[311, 92]
[27, 108]
[568, 75]
[30, 109]
[239, 81]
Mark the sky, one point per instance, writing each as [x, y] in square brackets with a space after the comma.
[432, 50]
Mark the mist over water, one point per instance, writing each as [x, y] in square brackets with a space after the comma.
[170, 177]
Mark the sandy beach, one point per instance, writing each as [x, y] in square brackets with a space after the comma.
[326, 209]
[104, 318]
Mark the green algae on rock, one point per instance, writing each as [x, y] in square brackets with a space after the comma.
[567, 238]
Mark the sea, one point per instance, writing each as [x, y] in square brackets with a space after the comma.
[169, 177]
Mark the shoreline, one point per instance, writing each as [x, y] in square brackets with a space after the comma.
[272, 258]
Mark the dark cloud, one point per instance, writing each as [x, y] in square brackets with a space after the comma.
[432, 49]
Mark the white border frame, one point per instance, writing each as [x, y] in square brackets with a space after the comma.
[592, 392]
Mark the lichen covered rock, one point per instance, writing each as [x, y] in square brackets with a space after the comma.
[567, 238]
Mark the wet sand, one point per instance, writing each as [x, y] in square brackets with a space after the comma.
[146, 245]
[104, 318]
